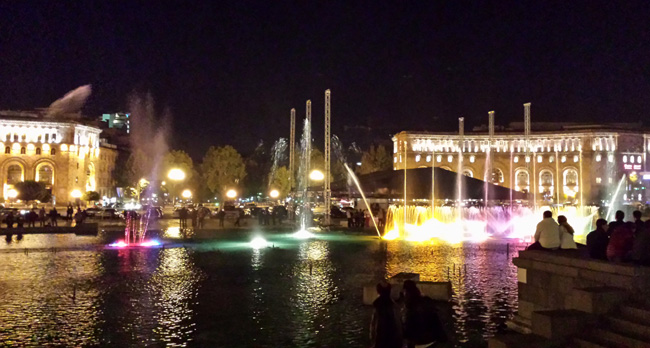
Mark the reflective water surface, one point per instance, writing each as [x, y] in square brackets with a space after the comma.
[223, 293]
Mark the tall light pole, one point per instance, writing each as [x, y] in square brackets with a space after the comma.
[327, 192]
[292, 148]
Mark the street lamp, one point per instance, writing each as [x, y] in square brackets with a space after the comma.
[274, 193]
[176, 174]
[316, 175]
[231, 193]
[76, 193]
[186, 194]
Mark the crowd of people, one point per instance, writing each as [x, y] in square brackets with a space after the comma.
[361, 218]
[619, 240]
[43, 218]
[412, 319]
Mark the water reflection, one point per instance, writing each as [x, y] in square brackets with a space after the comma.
[48, 300]
[175, 285]
[305, 294]
[313, 291]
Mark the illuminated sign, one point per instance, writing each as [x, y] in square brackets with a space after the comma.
[628, 166]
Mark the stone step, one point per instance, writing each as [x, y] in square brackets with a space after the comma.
[589, 342]
[619, 340]
[636, 314]
[626, 326]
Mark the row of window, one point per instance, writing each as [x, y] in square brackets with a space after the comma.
[16, 138]
[23, 150]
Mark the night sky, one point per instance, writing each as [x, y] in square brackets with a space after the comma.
[230, 71]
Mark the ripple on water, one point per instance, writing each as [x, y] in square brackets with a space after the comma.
[305, 295]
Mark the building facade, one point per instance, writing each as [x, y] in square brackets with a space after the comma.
[64, 154]
[555, 163]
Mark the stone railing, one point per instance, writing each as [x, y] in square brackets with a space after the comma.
[568, 280]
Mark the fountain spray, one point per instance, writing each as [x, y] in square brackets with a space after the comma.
[611, 204]
[356, 182]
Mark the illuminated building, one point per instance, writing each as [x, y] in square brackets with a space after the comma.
[561, 162]
[64, 153]
[117, 120]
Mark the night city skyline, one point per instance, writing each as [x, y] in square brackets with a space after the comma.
[231, 73]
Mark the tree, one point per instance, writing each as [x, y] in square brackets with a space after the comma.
[137, 166]
[281, 181]
[177, 159]
[91, 196]
[374, 160]
[222, 169]
[32, 190]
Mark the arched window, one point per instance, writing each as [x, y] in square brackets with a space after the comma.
[522, 182]
[53, 151]
[14, 174]
[546, 178]
[496, 177]
[23, 150]
[7, 150]
[45, 174]
[570, 177]
[38, 150]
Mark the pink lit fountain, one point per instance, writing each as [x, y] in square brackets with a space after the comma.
[135, 232]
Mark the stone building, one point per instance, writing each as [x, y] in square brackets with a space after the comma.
[64, 153]
[555, 163]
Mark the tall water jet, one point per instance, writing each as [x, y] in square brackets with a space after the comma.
[363, 195]
[459, 177]
[303, 174]
[611, 203]
[278, 155]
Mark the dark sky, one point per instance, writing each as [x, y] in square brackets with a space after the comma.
[231, 70]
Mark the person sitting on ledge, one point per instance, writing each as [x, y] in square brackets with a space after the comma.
[639, 225]
[566, 234]
[620, 215]
[597, 240]
[386, 323]
[620, 242]
[547, 234]
[640, 253]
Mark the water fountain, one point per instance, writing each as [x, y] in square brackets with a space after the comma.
[148, 135]
[468, 223]
[356, 182]
[278, 155]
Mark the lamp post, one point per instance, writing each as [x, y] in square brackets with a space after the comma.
[176, 175]
[274, 194]
[232, 194]
[187, 194]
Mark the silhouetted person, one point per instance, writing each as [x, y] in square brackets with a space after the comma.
[638, 224]
[566, 234]
[69, 212]
[547, 233]
[9, 220]
[619, 216]
[222, 216]
[620, 242]
[597, 240]
[385, 325]
[422, 327]
[19, 221]
[53, 215]
[41, 216]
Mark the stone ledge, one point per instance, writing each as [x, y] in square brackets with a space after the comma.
[557, 325]
[518, 340]
[596, 300]
[576, 258]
